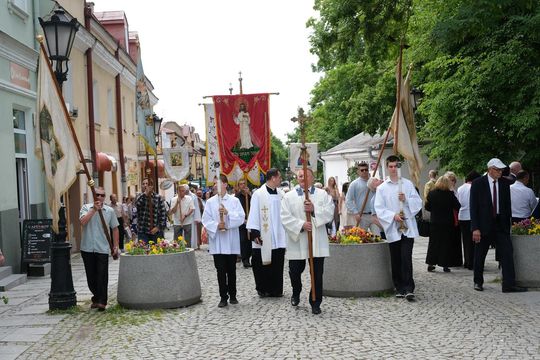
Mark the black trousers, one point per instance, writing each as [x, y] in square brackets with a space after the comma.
[402, 268]
[245, 243]
[468, 244]
[296, 268]
[96, 266]
[269, 278]
[505, 251]
[226, 274]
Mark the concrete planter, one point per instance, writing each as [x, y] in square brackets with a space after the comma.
[158, 281]
[526, 256]
[357, 270]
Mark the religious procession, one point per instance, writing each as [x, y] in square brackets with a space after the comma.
[399, 209]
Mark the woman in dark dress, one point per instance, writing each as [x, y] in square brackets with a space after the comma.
[443, 248]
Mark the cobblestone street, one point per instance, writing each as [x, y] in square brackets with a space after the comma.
[448, 320]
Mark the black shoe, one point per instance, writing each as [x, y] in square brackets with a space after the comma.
[514, 289]
[446, 269]
[295, 300]
[410, 296]
[262, 294]
[233, 301]
[430, 268]
[246, 264]
[479, 287]
[222, 303]
[315, 310]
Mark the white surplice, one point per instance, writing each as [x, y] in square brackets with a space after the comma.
[293, 217]
[277, 232]
[387, 206]
[223, 242]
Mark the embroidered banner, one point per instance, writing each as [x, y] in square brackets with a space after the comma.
[243, 135]
[54, 142]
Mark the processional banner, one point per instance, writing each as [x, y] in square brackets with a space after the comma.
[212, 150]
[54, 141]
[295, 156]
[243, 135]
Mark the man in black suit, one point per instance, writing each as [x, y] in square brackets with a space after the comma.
[491, 217]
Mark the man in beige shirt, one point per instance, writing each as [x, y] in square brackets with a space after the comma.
[182, 209]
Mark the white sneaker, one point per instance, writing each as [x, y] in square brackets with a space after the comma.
[409, 296]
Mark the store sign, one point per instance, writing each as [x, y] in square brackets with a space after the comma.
[19, 76]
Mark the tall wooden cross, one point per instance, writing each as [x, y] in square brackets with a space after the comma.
[301, 119]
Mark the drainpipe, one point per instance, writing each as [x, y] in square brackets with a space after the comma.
[90, 90]
[120, 130]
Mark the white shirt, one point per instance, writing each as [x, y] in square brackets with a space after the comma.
[387, 205]
[463, 196]
[490, 181]
[522, 199]
[186, 204]
[279, 238]
[223, 242]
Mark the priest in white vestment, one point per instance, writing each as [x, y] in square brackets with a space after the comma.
[268, 236]
[293, 217]
[224, 238]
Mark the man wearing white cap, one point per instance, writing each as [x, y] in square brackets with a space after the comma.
[491, 216]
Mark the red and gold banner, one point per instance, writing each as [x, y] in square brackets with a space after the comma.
[243, 134]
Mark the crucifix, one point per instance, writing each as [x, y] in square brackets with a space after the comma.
[301, 119]
[240, 81]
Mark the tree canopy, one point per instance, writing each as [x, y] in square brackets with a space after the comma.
[476, 61]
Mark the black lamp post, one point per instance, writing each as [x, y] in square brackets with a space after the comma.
[157, 129]
[60, 33]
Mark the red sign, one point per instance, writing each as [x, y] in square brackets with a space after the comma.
[20, 76]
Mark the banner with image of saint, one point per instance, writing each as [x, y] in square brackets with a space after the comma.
[295, 159]
[243, 135]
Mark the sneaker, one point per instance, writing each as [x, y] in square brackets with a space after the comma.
[409, 296]
[400, 295]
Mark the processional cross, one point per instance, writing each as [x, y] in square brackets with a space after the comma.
[301, 119]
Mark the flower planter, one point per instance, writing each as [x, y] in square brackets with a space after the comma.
[526, 255]
[158, 281]
[357, 270]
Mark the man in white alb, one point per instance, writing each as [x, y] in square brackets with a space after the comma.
[396, 204]
[223, 215]
[269, 240]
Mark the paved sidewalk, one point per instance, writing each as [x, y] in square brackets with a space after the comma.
[449, 320]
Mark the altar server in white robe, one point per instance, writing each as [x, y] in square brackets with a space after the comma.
[224, 238]
[396, 204]
[293, 217]
[268, 236]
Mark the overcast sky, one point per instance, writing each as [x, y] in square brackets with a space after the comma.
[196, 48]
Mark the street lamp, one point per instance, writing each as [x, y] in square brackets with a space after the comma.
[416, 97]
[157, 128]
[60, 33]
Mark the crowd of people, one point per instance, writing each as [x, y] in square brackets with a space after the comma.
[264, 227]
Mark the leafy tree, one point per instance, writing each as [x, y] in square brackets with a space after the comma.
[279, 154]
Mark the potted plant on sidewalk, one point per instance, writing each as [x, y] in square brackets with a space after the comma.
[158, 275]
[358, 266]
[526, 243]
